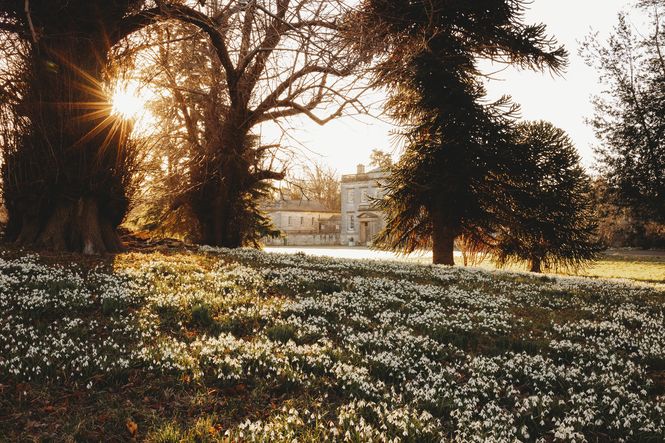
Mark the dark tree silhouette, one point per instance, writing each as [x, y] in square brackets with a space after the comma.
[191, 107]
[629, 116]
[66, 175]
[552, 222]
[447, 183]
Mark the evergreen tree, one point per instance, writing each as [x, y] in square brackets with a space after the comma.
[448, 182]
[552, 223]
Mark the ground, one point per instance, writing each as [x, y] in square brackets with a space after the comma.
[633, 264]
[217, 345]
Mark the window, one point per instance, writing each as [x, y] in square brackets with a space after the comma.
[312, 221]
[352, 222]
[349, 196]
[302, 221]
[363, 195]
[290, 220]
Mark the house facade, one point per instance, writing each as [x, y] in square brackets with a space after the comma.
[303, 223]
[360, 220]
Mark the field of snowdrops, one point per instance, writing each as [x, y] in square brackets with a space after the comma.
[219, 345]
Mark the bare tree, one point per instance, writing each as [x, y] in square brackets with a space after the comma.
[276, 59]
[319, 183]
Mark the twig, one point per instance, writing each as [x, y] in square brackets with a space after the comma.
[30, 24]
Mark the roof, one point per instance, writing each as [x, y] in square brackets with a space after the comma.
[374, 174]
[297, 206]
[367, 215]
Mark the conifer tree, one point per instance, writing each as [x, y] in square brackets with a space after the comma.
[448, 182]
[551, 224]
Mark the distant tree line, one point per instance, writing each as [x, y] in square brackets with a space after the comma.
[629, 121]
[316, 183]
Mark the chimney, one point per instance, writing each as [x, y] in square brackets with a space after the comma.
[361, 168]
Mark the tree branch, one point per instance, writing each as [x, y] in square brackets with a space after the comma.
[13, 28]
[267, 45]
[262, 175]
[272, 99]
[134, 23]
[203, 22]
[297, 109]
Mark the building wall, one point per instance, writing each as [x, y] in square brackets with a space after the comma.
[305, 239]
[357, 193]
[303, 228]
[297, 220]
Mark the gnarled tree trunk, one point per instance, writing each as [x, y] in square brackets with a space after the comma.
[218, 211]
[65, 184]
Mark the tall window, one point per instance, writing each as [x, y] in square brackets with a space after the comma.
[352, 222]
[349, 196]
[290, 220]
[302, 221]
[363, 195]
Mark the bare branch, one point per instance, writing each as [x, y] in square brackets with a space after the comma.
[207, 25]
[294, 108]
[272, 99]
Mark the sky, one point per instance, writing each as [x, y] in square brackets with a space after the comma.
[564, 101]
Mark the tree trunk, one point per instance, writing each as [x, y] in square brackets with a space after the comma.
[219, 228]
[222, 175]
[535, 265]
[443, 239]
[65, 184]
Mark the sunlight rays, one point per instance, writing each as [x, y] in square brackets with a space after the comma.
[120, 111]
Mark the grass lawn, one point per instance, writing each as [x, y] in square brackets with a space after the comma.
[640, 266]
[625, 265]
[219, 345]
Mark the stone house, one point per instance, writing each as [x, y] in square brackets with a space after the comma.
[303, 223]
[361, 221]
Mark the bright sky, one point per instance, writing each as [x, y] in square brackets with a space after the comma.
[565, 101]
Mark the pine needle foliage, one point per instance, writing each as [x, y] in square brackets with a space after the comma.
[553, 225]
[448, 182]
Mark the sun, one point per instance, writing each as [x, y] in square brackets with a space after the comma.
[129, 103]
[128, 100]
